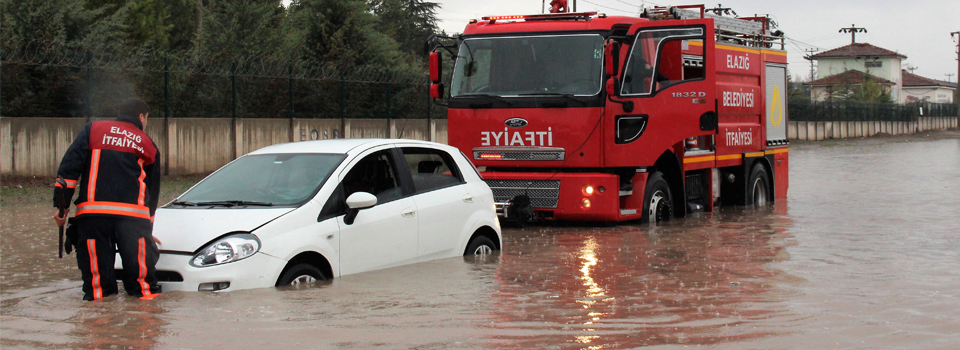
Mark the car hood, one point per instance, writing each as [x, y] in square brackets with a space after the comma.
[189, 229]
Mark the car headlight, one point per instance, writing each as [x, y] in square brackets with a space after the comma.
[227, 249]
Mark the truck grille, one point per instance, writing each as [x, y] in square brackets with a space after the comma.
[518, 153]
[542, 193]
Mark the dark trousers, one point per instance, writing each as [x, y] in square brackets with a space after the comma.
[100, 238]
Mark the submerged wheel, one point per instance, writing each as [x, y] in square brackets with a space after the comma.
[759, 193]
[300, 274]
[480, 245]
[657, 200]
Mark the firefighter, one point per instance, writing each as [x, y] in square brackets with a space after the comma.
[114, 167]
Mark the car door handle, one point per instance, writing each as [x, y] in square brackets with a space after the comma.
[408, 213]
[468, 198]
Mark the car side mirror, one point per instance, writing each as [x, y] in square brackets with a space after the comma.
[357, 202]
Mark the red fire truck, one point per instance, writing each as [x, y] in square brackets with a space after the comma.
[588, 117]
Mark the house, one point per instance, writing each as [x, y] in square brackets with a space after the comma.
[853, 64]
[917, 88]
[880, 63]
[820, 89]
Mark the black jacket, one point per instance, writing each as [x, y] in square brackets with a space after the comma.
[116, 168]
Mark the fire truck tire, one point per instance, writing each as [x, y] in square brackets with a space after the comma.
[758, 188]
[657, 200]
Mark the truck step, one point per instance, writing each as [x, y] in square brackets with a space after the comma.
[626, 193]
[627, 212]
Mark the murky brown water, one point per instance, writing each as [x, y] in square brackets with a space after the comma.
[864, 255]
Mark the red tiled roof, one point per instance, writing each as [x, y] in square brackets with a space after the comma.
[858, 49]
[912, 80]
[849, 77]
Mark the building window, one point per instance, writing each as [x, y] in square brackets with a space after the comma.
[874, 64]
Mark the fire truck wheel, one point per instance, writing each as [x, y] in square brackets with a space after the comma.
[758, 192]
[657, 201]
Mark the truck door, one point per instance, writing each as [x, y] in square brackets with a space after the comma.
[669, 79]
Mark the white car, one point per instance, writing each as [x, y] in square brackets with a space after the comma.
[298, 212]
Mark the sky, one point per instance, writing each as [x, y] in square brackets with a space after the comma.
[919, 29]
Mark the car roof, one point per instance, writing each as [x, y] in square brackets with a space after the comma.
[338, 146]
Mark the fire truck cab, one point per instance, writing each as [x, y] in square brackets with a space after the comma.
[587, 117]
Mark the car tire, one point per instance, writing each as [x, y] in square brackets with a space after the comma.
[300, 274]
[480, 245]
[657, 200]
[758, 188]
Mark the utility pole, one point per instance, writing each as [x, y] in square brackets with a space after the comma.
[949, 75]
[956, 36]
[910, 68]
[809, 56]
[853, 30]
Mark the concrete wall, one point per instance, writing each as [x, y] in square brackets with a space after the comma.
[818, 131]
[34, 146]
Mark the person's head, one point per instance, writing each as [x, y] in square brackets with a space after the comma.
[135, 109]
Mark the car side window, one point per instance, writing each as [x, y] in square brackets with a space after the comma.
[431, 169]
[375, 174]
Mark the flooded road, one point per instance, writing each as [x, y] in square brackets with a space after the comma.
[865, 254]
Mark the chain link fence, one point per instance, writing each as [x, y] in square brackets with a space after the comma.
[58, 80]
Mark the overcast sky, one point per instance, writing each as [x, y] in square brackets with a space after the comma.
[919, 29]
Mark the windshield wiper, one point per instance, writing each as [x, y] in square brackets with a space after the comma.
[233, 203]
[184, 203]
[495, 97]
[552, 94]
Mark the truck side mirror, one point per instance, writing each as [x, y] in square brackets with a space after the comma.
[436, 68]
[611, 86]
[611, 58]
[436, 91]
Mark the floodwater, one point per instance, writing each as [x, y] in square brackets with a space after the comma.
[865, 254]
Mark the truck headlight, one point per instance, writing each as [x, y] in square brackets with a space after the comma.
[227, 249]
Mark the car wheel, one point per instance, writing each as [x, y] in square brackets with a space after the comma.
[658, 201]
[480, 245]
[300, 274]
[759, 192]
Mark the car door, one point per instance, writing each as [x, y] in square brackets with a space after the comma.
[384, 235]
[444, 201]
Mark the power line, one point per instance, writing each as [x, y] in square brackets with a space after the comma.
[607, 7]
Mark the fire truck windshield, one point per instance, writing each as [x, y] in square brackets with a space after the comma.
[529, 65]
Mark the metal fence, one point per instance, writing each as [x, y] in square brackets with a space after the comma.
[858, 111]
[56, 80]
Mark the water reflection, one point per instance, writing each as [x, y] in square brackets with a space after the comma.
[702, 280]
[127, 323]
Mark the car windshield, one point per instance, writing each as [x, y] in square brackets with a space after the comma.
[264, 180]
[529, 65]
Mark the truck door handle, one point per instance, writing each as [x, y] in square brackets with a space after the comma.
[408, 213]
[468, 198]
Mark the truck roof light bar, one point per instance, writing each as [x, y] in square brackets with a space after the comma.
[545, 16]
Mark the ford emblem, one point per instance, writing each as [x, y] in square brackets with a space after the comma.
[515, 122]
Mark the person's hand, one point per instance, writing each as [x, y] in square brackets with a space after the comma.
[60, 220]
[157, 241]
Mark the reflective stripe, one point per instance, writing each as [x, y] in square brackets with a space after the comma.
[143, 186]
[114, 208]
[92, 250]
[94, 167]
[141, 260]
[70, 183]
